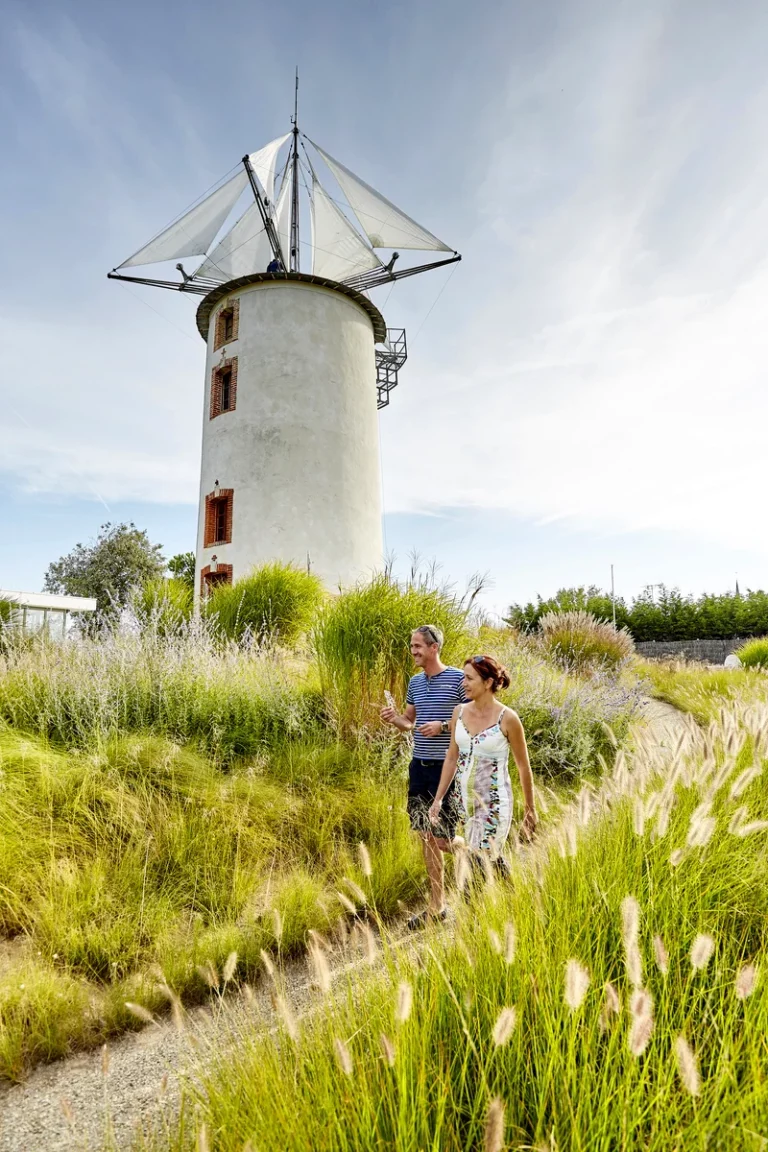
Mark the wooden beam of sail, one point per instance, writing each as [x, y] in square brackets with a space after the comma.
[193, 232]
[338, 249]
[385, 225]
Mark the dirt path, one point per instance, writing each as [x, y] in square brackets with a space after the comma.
[74, 1105]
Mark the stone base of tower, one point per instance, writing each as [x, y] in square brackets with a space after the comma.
[290, 461]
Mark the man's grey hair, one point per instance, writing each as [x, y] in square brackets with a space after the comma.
[431, 634]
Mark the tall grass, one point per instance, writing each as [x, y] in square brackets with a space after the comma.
[163, 606]
[362, 642]
[613, 995]
[582, 643]
[186, 686]
[163, 792]
[143, 857]
[702, 692]
[276, 604]
[754, 654]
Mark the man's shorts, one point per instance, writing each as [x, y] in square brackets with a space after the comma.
[423, 781]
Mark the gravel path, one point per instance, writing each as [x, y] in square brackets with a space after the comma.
[102, 1098]
[75, 1104]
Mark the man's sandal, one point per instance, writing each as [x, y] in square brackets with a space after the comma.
[421, 919]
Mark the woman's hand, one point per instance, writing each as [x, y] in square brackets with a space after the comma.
[530, 820]
[434, 811]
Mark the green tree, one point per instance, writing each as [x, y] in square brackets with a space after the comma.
[182, 567]
[121, 558]
[590, 599]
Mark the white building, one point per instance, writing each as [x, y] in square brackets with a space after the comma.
[38, 611]
[297, 361]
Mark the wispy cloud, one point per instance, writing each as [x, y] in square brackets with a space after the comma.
[613, 371]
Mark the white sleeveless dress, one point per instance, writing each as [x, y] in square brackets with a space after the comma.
[485, 786]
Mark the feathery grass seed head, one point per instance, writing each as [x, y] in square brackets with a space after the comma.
[746, 979]
[509, 942]
[687, 1066]
[387, 1049]
[285, 1013]
[504, 1026]
[576, 984]
[343, 1056]
[493, 1137]
[365, 859]
[230, 965]
[701, 951]
[320, 967]
[404, 1001]
[639, 1034]
[630, 918]
[140, 1012]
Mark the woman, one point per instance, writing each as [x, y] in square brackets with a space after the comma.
[482, 734]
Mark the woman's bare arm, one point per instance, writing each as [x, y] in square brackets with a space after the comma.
[512, 728]
[450, 764]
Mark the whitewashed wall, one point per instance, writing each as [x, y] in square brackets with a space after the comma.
[301, 448]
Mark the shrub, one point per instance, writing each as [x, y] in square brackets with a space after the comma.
[362, 642]
[579, 642]
[164, 605]
[754, 654]
[276, 603]
[568, 721]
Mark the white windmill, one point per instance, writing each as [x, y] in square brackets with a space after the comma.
[297, 364]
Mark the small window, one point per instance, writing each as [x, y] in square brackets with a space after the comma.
[210, 580]
[218, 517]
[226, 324]
[224, 387]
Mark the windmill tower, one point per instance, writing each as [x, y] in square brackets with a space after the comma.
[298, 359]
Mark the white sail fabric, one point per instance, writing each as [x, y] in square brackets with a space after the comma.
[338, 251]
[264, 162]
[283, 220]
[194, 231]
[384, 224]
[243, 250]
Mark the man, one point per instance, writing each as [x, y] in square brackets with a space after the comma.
[432, 696]
[275, 265]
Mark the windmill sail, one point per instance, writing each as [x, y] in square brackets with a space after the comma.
[264, 162]
[195, 230]
[385, 225]
[338, 250]
[244, 249]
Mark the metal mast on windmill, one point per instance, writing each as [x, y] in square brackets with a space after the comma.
[290, 467]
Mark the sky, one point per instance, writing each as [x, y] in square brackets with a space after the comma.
[586, 388]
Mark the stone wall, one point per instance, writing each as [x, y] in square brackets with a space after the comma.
[704, 651]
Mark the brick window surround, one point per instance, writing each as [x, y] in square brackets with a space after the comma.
[227, 324]
[218, 518]
[209, 580]
[224, 387]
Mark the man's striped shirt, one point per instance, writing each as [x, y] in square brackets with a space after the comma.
[434, 698]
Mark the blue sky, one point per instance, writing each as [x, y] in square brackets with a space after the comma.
[586, 387]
